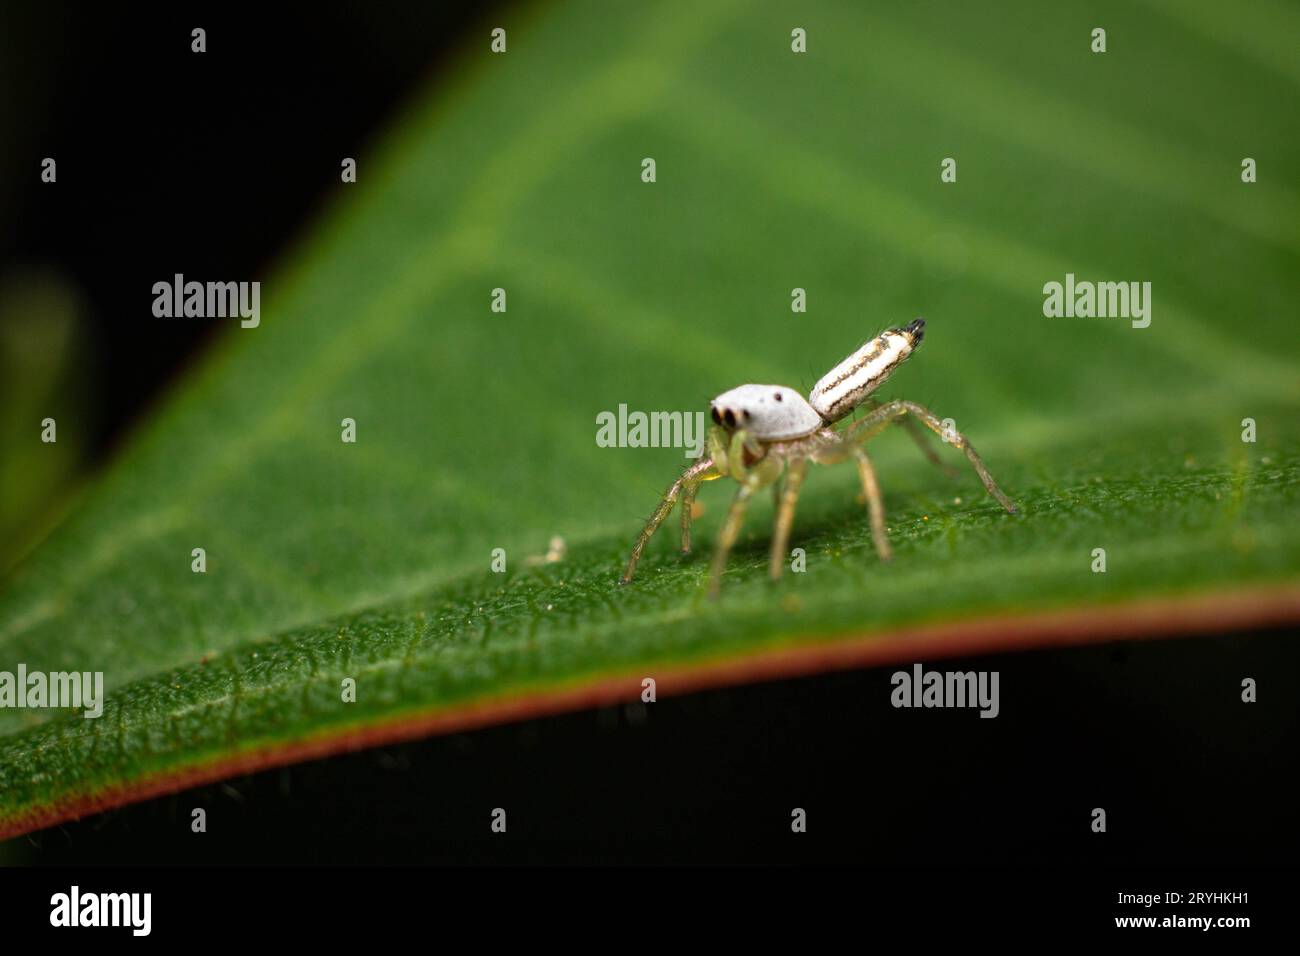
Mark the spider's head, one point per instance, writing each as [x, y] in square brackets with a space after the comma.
[768, 412]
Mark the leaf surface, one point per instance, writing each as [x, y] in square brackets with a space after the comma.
[476, 430]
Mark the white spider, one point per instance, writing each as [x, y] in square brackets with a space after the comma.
[762, 431]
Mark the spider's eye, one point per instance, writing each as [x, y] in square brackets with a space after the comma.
[730, 417]
[717, 419]
[776, 396]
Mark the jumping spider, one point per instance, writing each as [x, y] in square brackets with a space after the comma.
[763, 430]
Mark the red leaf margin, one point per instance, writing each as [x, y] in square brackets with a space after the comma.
[1146, 618]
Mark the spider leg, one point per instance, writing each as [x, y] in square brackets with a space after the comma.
[688, 515]
[875, 503]
[787, 497]
[878, 418]
[760, 475]
[727, 537]
[912, 428]
[692, 476]
[723, 450]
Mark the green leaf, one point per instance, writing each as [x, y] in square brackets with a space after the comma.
[476, 430]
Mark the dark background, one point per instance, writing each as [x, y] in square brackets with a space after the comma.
[210, 165]
[1152, 731]
[171, 161]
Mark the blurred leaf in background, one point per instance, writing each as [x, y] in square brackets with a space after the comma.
[42, 377]
[475, 429]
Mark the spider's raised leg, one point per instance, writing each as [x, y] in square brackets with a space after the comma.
[875, 503]
[692, 476]
[878, 418]
[789, 496]
[912, 428]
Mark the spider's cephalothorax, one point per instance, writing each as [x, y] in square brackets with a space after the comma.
[763, 432]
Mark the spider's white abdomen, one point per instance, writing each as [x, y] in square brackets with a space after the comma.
[768, 412]
[847, 385]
